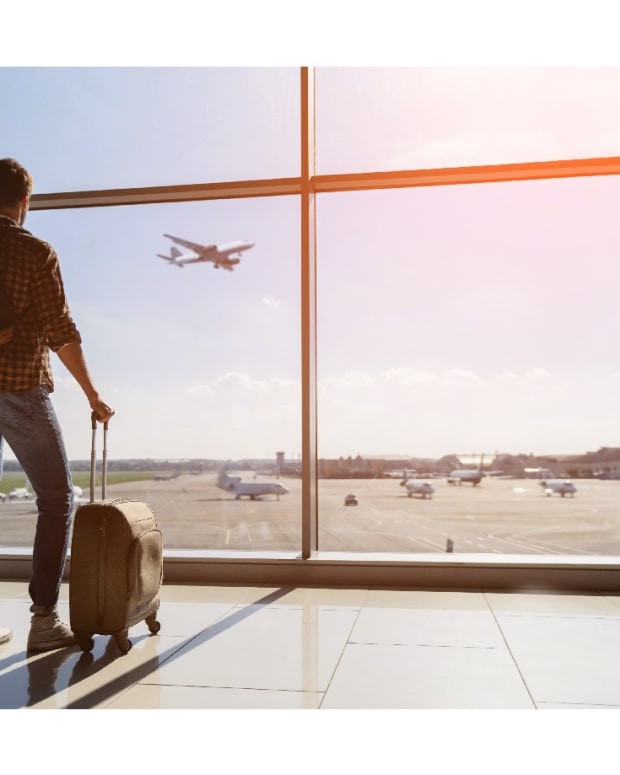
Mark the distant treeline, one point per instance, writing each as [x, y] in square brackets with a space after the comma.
[603, 464]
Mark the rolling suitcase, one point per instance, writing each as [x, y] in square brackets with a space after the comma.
[116, 564]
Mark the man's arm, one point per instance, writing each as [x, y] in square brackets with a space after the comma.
[73, 358]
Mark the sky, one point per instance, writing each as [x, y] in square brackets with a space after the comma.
[460, 320]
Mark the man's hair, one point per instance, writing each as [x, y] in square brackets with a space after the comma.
[15, 182]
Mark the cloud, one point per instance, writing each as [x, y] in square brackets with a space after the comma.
[407, 376]
[236, 380]
[537, 374]
[200, 390]
[351, 380]
[461, 376]
[399, 377]
[506, 376]
[479, 147]
[271, 301]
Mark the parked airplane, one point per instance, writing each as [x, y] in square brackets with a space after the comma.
[20, 493]
[225, 256]
[561, 486]
[419, 487]
[23, 493]
[253, 490]
[78, 495]
[471, 475]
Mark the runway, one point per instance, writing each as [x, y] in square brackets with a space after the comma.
[499, 516]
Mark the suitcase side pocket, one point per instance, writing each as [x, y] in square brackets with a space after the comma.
[145, 574]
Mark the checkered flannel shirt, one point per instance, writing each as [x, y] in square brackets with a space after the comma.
[32, 280]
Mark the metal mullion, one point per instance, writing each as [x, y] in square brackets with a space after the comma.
[365, 181]
[328, 183]
[309, 511]
[242, 189]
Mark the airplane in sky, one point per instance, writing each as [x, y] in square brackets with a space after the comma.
[419, 487]
[561, 486]
[226, 255]
[471, 475]
[252, 490]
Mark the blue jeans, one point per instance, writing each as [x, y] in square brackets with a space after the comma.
[30, 426]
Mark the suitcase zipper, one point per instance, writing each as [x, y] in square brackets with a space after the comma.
[101, 601]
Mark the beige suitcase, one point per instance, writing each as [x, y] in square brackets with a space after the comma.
[115, 565]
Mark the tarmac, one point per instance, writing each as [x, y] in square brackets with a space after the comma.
[499, 516]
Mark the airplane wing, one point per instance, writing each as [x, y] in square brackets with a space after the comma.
[195, 246]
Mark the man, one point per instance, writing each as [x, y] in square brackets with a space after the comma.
[32, 281]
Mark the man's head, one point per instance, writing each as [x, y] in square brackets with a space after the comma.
[15, 189]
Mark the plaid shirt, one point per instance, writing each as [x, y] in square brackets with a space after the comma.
[30, 272]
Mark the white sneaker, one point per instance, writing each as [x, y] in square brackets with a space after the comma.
[5, 634]
[47, 631]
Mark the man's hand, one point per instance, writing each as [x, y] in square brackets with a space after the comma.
[102, 411]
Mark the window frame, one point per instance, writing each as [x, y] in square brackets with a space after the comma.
[329, 568]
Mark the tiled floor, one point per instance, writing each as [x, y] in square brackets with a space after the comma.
[293, 648]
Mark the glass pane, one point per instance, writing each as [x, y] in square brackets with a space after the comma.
[92, 128]
[202, 366]
[379, 119]
[462, 327]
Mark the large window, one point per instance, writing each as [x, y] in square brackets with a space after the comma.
[458, 326]
[202, 365]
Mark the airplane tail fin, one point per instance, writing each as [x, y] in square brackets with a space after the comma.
[171, 259]
[226, 482]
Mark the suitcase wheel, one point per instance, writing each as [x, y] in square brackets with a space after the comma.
[85, 642]
[123, 642]
[153, 625]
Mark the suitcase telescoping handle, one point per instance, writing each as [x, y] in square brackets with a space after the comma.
[93, 458]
